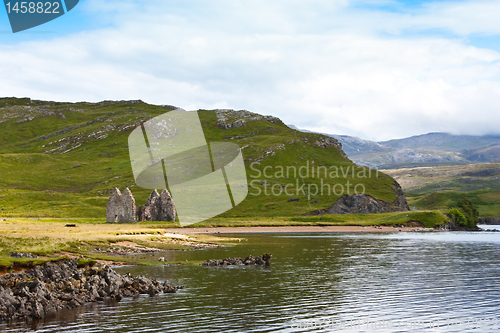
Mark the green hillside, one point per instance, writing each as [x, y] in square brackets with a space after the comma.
[62, 159]
[442, 187]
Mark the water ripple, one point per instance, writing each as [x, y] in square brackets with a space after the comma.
[398, 278]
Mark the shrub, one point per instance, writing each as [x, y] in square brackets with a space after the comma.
[469, 211]
[458, 217]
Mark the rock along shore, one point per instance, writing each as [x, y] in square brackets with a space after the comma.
[53, 286]
[263, 260]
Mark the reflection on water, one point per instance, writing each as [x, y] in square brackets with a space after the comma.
[314, 279]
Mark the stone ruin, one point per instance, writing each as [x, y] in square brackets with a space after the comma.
[158, 207]
[121, 208]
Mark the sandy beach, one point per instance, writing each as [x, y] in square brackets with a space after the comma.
[287, 229]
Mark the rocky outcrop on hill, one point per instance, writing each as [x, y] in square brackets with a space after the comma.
[233, 119]
[360, 204]
[54, 286]
[263, 260]
[366, 204]
[400, 202]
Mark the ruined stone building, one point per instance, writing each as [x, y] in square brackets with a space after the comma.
[120, 207]
[158, 207]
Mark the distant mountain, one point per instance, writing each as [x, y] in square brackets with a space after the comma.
[483, 154]
[443, 141]
[432, 149]
[352, 145]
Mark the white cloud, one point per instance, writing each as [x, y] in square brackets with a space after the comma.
[320, 65]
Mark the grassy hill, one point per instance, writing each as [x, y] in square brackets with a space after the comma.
[62, 159]
[441, 187]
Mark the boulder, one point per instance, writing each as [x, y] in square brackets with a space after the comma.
[366, 204]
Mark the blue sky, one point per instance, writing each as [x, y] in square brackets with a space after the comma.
[377, 69]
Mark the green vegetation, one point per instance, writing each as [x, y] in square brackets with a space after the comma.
[458, 217]
[466, 215]
[428, 219]
[443, 187]
[62, 159]
[470, 212]
[487, 202]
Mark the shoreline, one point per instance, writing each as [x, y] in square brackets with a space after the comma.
[50, 287]
[292, 229]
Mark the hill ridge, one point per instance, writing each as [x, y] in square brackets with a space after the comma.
[62, 159]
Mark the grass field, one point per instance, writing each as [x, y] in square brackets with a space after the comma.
[428, 219]
[90, 239]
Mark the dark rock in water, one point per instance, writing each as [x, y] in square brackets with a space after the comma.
[366, 204]
[22, 255]
[53, 286]
[263, 260]
[450, 226]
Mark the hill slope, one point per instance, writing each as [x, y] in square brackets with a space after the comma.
[62, 159]
[432, 149]
[441, 187]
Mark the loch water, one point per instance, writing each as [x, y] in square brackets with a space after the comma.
[317, 282]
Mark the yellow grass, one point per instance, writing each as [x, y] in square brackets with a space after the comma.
[50, 239]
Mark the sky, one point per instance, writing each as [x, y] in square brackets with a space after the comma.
[376, 69]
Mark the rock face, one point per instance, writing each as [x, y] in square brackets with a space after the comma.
[158, 207]
[400, 202]
[227, 118]
[120, 207]
[366, 204]
[489, 220]
[263, 260]
[53, 286]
